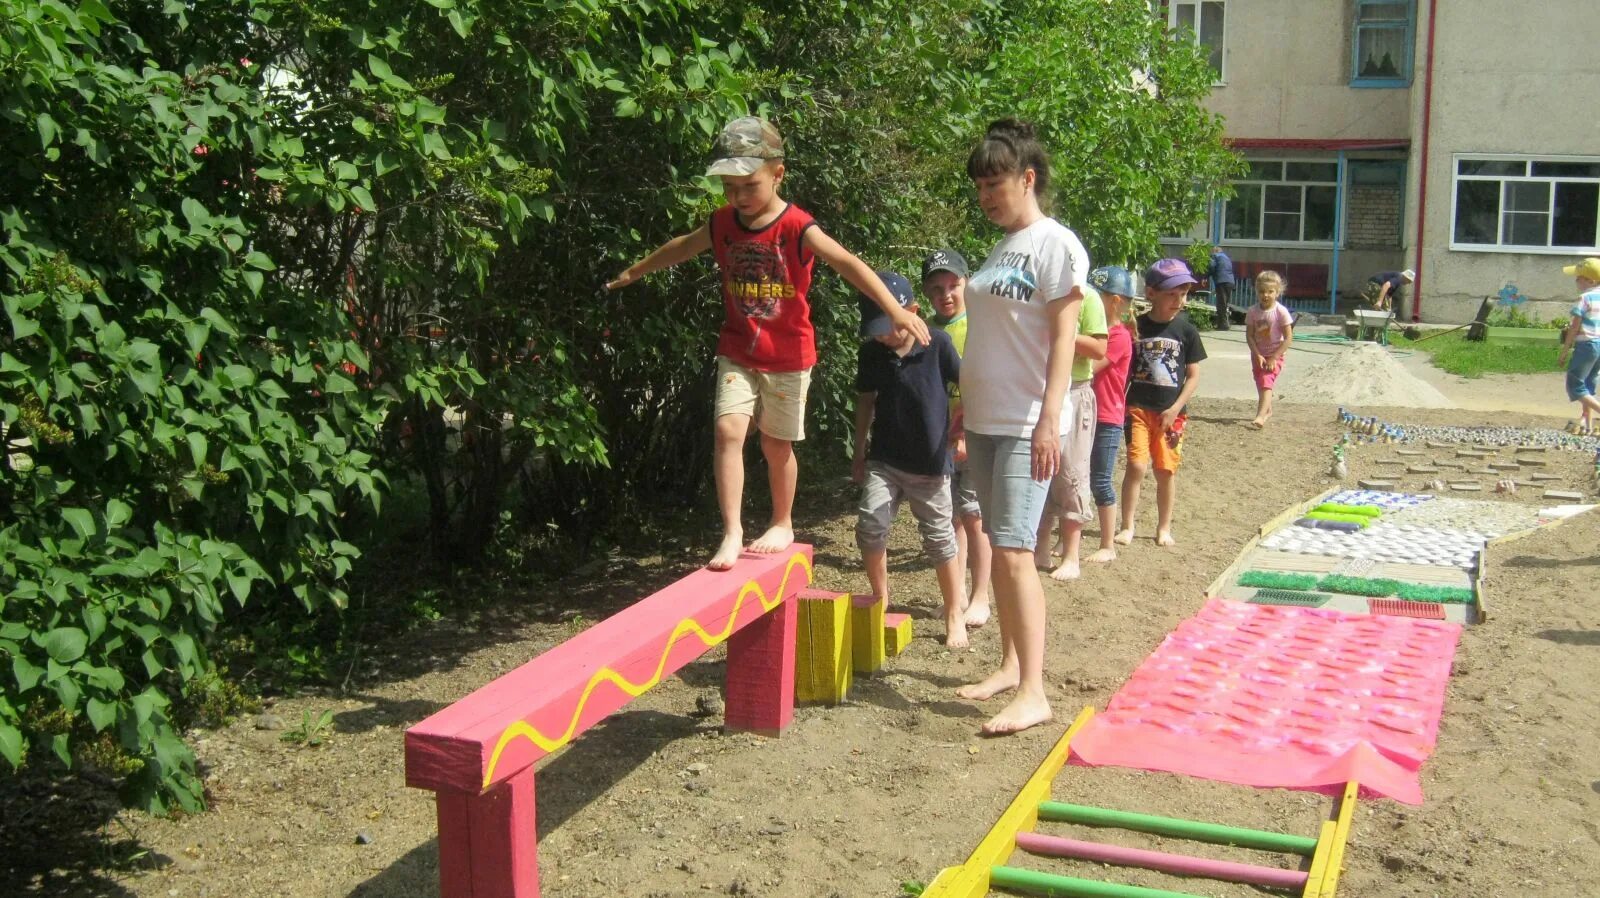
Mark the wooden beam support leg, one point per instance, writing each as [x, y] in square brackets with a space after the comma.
[488, 843]
[760, 689]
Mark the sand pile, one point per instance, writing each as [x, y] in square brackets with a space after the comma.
[1363, 376]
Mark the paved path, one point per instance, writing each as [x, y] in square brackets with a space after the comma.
[1226, 375]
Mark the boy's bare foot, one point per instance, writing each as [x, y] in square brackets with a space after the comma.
[955, 633]
[727, 552]
[1103, 556]
[775, 540]
[977, 614]
[1257, 424]
[1042, 555]
[1024, 711]
[1123, 537]
[1068, 570]
[1164, 538]
[996, 683]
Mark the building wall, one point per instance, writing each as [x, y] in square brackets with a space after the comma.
[1288, 75]
[1510, 77]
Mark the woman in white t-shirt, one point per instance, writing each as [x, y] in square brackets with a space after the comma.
[1022, 309]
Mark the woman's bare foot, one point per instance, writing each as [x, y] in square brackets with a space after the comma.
[728, 552]
[1103, 556]
[1068, 570]
[1164, 538]
[977, 614]
[1123, 537]
[955, 632]
[775, 540]
[1024, 711]
[996, 683]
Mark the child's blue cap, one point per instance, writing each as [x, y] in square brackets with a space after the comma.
[874, 323]
[1114, 279]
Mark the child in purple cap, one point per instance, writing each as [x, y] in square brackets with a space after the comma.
[1163, 378]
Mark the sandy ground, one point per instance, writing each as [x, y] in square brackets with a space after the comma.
[1226, 375]
[856, 800]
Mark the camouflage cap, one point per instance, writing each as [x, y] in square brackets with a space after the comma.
[746, 144]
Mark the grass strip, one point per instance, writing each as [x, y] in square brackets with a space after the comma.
[1420, 592]
[1375, 588]
[1366, 511]
[1278, 580]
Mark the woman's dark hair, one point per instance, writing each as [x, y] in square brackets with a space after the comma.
[1010, 147]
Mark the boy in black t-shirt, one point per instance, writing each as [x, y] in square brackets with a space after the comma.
[1165, 373]
[904, 406]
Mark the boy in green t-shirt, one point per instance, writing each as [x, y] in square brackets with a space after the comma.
[944, 283]
[1070, 498]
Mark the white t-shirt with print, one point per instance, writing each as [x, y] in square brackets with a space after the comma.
[1008, 335]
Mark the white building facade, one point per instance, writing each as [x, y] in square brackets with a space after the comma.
[1457, 138]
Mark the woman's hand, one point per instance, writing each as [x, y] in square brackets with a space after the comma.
[1046, 449]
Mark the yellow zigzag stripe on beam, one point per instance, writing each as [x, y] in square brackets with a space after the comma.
[606, 674]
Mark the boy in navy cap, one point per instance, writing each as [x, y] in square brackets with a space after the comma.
[1166, 371]
[902, 446]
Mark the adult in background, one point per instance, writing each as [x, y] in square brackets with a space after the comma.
[1385, 290]
[1022, 305]
[1221, 272]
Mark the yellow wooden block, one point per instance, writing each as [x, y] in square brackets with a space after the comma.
[896, 634]
[822, 662]
[1341, 837]
[866, 634]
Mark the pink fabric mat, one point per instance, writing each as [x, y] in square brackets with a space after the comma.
[1283, 697]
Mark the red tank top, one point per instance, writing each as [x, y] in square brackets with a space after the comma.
[766, 276]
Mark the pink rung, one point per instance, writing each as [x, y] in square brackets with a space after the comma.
[1182, 864]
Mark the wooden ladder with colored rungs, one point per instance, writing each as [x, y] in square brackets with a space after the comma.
[987, 868]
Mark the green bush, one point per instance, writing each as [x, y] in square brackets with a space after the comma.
[262, 257]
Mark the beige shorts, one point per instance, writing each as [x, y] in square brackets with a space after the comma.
[779, 396]
[1070, 496]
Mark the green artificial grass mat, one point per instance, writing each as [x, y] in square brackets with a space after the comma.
[1418, 592]
[1359, 520]
[1340, 508]
[1278, 580]
[1371, 587]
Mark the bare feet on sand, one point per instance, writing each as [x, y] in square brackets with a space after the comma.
[955, 632]
[1103, 556]
[977, 614]
[1042, 555]
[728, 552]
[1068, 570]
[997, 682]
[1257, 424]
[1123, 537]
[775, 540]
[1164, 538]
[1024, 711]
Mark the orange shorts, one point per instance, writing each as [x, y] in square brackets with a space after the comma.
[1149, 444]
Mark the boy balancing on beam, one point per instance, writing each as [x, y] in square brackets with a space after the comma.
[765, 249]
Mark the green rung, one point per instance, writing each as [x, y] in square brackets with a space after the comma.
[1177, 827]
[1052, 884]
[1290, 597]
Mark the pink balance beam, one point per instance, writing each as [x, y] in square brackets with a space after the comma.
[478, 754]
[1181, 864]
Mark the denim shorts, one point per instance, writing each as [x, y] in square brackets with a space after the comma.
[1001, 471]
[1583, 370]
[885, 488]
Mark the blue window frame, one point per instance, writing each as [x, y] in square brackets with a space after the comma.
[1381, 47]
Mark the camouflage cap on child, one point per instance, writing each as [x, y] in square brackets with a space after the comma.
[746, 144]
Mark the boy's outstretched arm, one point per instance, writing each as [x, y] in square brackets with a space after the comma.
[861, 276]
[679, 249]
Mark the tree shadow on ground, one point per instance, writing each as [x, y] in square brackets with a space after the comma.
[1534, 561]
[59, 838]
[1571, 637]
[572, 780]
